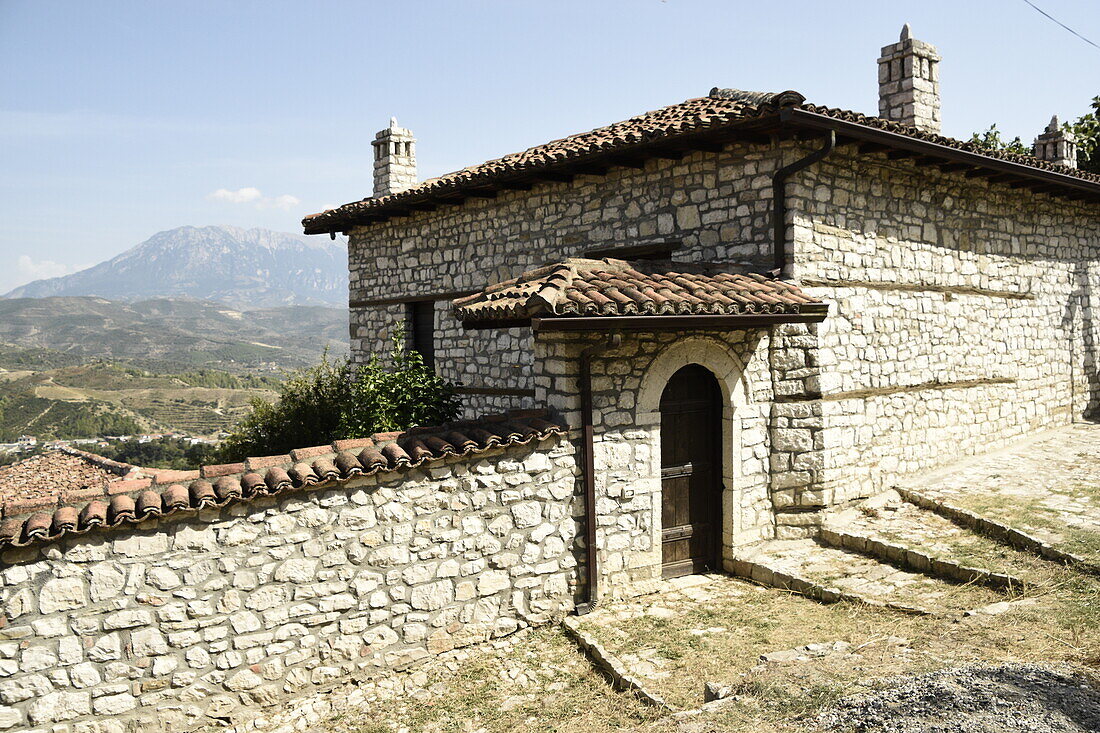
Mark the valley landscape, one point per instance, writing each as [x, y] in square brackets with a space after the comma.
[79, 360]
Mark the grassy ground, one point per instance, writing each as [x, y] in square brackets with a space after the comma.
[540, 683]
[744, 622]
[1033, 514]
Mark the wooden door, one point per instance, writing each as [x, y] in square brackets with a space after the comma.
[691, 473]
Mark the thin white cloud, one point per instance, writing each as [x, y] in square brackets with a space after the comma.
[240, 196]
[252, 195]
[284, 202]
[28, 269]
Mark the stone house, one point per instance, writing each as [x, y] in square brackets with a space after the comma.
[697, 328]
[957, 283]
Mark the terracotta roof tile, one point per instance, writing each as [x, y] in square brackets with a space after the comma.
[337, 463]
[45, 478]
[723, 109]
[608, 287]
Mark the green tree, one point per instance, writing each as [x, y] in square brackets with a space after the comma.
[336, 400]
[397, 397]
[1087, 130]
[992, 140]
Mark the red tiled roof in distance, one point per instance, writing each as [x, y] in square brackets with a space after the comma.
[44, 479]
[610, 287]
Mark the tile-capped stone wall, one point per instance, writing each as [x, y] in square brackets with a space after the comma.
[190, 621]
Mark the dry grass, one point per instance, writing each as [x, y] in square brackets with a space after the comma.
[1063, 626]
[542, 683]
[1032, 514]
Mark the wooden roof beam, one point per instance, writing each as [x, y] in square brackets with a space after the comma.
[865, 148]
[554, 176]
[591, 169]
[953, 167]
[626, 161]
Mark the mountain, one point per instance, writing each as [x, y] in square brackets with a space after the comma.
[170, 334]
[243, 268]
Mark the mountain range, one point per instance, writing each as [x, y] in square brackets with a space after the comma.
[243, 268]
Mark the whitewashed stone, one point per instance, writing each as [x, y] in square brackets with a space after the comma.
[148, 642]
[62, 594]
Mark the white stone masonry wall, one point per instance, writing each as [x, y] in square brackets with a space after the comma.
[717, 205]
[211, 617]
[627, 383]
[962, 313]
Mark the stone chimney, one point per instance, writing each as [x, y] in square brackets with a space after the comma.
[909, 83]
[1056, 145]
[394, 160]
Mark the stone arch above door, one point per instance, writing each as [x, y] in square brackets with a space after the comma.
[706, 352]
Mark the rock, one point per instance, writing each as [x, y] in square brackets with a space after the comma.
[62, 594]
[24, 688]
[492, 581]
[715, 691]
[527, 514]
[246, 679]
[85, 675]
[106, 648]
[296, 571]
[128, 619]
[9, 717]
[58, 706]
[162, 578]
[432, 596]
[114, 704]
[148, 643]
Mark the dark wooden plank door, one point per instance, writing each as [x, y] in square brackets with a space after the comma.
[691, 475]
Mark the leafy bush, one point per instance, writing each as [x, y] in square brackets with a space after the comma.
[335, 400]
[992, 140]
[1087, 130]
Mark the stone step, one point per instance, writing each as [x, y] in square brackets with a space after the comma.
[864, 577]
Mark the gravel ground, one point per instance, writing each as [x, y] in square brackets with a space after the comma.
[1010, 697]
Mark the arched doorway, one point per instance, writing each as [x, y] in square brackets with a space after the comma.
[691, 473]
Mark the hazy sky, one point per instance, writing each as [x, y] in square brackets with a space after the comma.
[121, 119]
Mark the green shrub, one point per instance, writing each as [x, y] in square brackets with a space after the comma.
[335, 400]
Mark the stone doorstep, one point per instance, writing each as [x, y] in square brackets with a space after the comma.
[998, 531]
[610, 666]
[761, 574]
[905, 558]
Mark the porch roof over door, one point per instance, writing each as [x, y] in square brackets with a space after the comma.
[595, 294]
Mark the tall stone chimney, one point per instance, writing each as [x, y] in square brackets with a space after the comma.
[394, 160]
[909, 83]
[1056, 145]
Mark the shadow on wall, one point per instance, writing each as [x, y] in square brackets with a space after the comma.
[1078, 314]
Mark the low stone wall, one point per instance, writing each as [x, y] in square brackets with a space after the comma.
[207, 617]
[919, 562]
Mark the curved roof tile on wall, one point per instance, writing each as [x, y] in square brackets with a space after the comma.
[317, 466]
